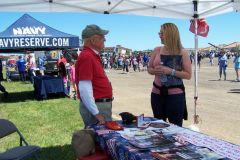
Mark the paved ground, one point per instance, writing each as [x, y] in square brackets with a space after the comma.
[218, 103]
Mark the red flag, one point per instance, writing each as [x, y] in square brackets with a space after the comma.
[202, 27]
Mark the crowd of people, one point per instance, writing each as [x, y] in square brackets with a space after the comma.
[25, 66]
[222, 58]
[28, 67]
[86, 77]
[138, 62]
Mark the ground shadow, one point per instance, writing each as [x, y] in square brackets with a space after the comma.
[213, 80]
[64, 152]
[222, 80]
[229, 80]
[17, 97]
[234, 91]
[14, 97]
[234, 81]
[50, 96]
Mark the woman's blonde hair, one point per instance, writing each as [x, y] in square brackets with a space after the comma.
[172, 40]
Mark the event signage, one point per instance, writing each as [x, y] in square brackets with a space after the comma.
[32, 37]
[33, 42]
[28, 32]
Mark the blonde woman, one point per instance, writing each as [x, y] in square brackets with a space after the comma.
[169, 64]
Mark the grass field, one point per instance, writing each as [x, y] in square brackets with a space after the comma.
[50, 123]
[46, 123]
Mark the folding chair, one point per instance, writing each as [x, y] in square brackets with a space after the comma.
[17, 153]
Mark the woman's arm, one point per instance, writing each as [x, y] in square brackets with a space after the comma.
[186, 72]
[151, 69]
[150, 66]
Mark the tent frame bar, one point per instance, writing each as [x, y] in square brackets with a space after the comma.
[195, 16]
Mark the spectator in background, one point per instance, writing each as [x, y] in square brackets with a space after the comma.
[21, 68]
[73, 88]
[111, 62]
[139, 61]
[63, 74]
[222, 63]
[2, 89]
[145, 61]
[41, 62]
[120, 62]
[105, 63]
[211, 56]
[125, 64]
[31, 68]
[199, 58]
[8, 73]
[236, 62]
[135, 63]
[62, 59]
[192, 57]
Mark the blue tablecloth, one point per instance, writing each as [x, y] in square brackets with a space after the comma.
[47, 84]
[119, 148]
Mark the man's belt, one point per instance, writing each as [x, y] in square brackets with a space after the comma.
[104, 100]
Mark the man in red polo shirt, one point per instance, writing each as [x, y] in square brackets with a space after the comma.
[93, 85]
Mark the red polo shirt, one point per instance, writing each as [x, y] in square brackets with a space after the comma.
[89, 67]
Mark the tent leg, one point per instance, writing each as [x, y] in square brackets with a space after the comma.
[195, 117]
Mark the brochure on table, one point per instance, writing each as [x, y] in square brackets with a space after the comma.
[144, 132]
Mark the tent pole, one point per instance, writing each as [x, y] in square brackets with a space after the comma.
[195, 73]
[196, 117]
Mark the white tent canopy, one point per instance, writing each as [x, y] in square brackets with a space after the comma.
[180, 9]
[183, 9]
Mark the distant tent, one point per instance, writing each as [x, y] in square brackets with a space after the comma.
[28, 33]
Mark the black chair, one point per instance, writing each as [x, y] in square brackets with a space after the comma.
[20, 152]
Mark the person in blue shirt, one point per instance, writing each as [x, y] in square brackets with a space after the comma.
[41, 62]
[21, 68]
[236, 62]
[222, 62]
[145, 61]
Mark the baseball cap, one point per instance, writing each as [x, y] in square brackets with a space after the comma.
[93, 29]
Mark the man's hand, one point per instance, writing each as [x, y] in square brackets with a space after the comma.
[100, 119]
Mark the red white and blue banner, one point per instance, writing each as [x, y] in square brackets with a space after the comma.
[202, 27]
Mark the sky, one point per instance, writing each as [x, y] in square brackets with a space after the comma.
[135, 32]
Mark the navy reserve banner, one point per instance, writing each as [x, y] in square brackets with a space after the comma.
[30, 33]
[40, 42]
